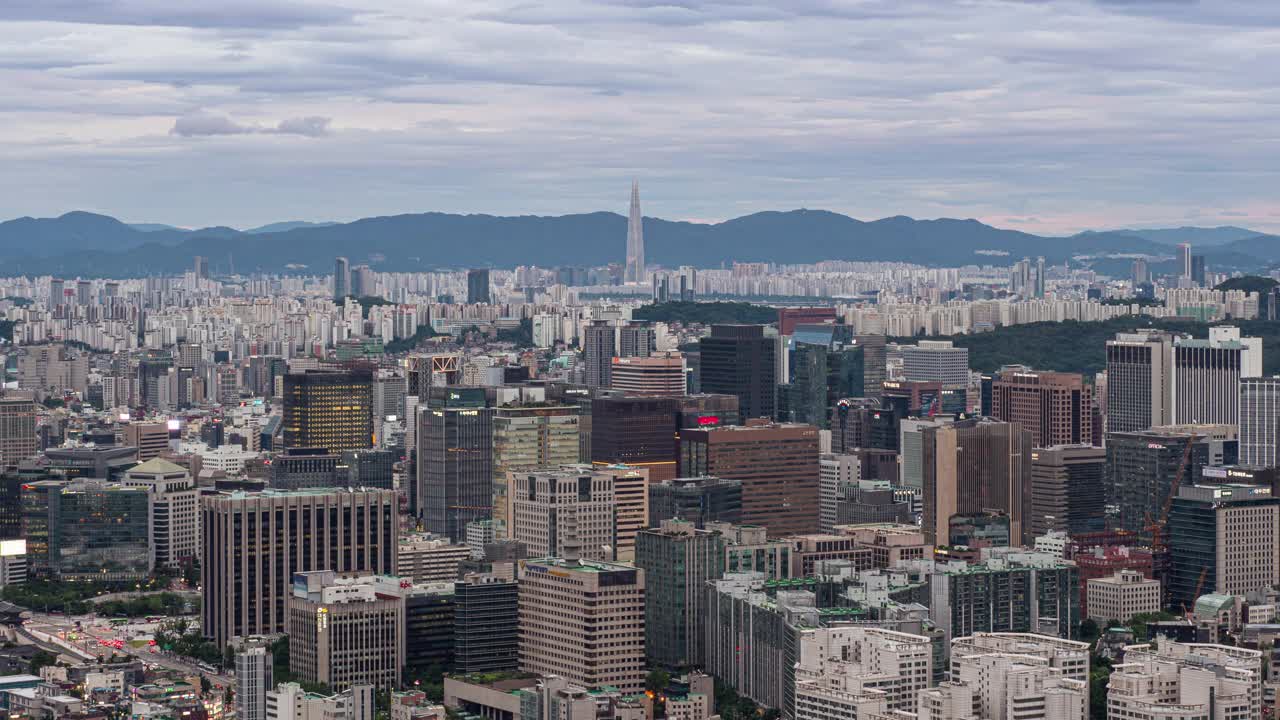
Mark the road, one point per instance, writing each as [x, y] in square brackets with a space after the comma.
[93, 629]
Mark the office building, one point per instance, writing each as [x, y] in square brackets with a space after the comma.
[1207, 375]
[678, 559]
[749, 549]
[777, 465]
[427, 559]
[175, 511]
[704, 409]
[1184, 260]
[1055, 407]
[659, 375]
[366, 469]
[790, 318]
[583, 621]
[253, 665]
[840, 669]
[18, 439]
[636, 340]
[527, 437]
[992, 472]
[102, 462]
[1141, 467]
[150, 438]
[1121, 596]
[328, 409]
[302, 468]
[1260, 422]
[635, 431]
[1068, 490]
[1176, 681]
[1223, 539]
[835, 473]
[290, 702]
[455, 466]
[478, 287]
[254, 542]
[570, 512]
[1010, 591]
[936, 361]
[699, 500]
[873, 501]
[486, 624]
[346, 631]
[1139, 380]
[341, 279]
[87, 529]
[741, 360]
[429, 619]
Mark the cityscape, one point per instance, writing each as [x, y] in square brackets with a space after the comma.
[663, 448]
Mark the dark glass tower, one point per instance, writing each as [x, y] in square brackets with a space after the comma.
[741, 360]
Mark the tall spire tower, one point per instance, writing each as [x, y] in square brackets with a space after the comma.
[634, 272]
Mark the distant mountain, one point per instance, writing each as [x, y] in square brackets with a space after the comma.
[94, 245]
[152, 227]
[286, 226]
[1204, 236]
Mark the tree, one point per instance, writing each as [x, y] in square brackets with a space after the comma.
[1089, 630]
[205, 685]
[42, 659]
[657, 680]
[1099, 675]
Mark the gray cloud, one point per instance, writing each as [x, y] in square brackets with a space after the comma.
[204, 124]
[1068, 113]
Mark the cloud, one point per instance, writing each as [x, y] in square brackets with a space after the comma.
[1078, 113]
[204, 124]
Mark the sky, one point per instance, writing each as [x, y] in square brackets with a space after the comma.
[1048, 116]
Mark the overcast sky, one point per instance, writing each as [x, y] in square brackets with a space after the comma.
[1049, 116]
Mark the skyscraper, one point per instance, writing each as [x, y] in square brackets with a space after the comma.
[1222, 539]
[253, 679]
[1184, 259]
[328, 409]
[1260, 421]
[200, 267]
[478, 286]
[634, 272]
[635, 431]
[974, 466]
[1138, 381]
[678, 559]
[1206, 376]
[341, 278]
[17, 428]
[455, 465]
[1055, 407]
[599, 347]
[741, 360]
[1141, 467]
[1068, 489]
[255, 542]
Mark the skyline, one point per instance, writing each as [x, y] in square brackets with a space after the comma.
[1044, 117]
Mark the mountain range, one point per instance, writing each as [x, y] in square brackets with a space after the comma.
[92, 245]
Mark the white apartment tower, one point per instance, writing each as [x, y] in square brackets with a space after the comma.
[1207, 373]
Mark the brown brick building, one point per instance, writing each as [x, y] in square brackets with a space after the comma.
[1056, 407]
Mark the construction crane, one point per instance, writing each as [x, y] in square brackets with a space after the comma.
[1157, 527]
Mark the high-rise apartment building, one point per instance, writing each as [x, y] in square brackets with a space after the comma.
[328, 409]
[1068, 490]
[478, 287]
[175, 511]
[599, 347]
[936, 361]
[842, 672]
[1223, 539]
[346, 631]
[1175, 680]
[254, 542]
[777, 464]
[565, 513]
[742, 360]
[1139, 377]
[1207, 375]
[524, 437]
[253, 666]
[1015, 685]
[1011, 591]
[1055, 407]
[636, 340]
[973, 466]
[1141, 467]
[583, 621]
[455, 465]
[635, 431]
[678, 559]
[1260, 421]
[659, 375]
[341, 279]
[17, 428]
[1184, 260]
